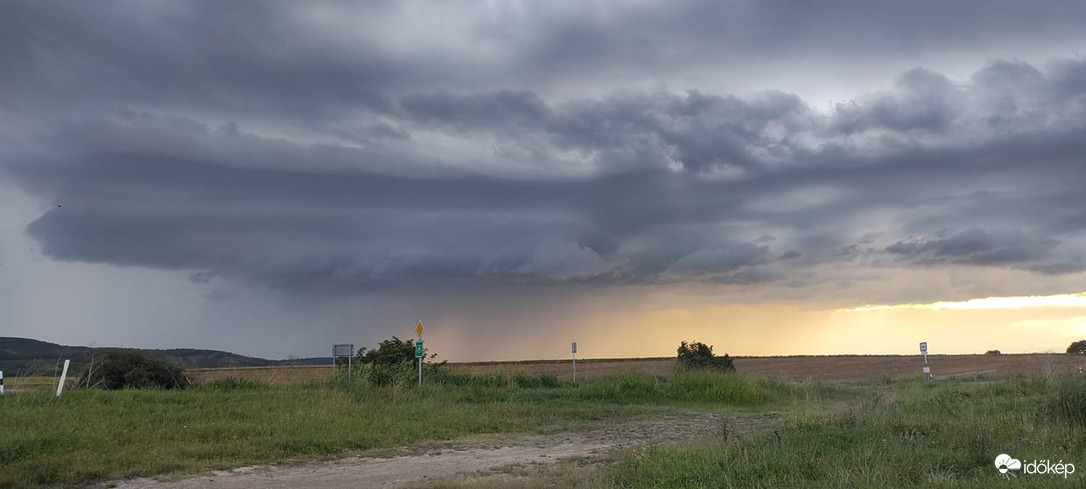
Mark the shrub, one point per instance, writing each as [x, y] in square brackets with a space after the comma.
[993, 352]
[133, 370]
[1077, 347]
[393, 363]
[384, 375]
[389, 352]
[698, 355]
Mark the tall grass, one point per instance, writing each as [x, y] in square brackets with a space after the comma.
[86, 436]
[1069, 401]
[901, 434]
[696, 387]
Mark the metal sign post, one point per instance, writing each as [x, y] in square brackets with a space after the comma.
[419, 348]
[575, 361]
[344, 350]
[924, 352]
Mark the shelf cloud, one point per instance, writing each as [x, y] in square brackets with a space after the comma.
[327, 149]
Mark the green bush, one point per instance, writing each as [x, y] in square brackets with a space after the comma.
[697, 355]
[133, 370]
[389, 352]
[387, 374]
[1077, 347]
[393, 362]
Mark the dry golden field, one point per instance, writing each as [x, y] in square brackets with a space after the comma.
[826, 368]
[270, 375]
[823, 368]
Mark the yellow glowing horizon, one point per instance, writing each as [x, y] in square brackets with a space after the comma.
[1016, 302]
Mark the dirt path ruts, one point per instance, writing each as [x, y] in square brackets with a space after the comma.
[438, 463]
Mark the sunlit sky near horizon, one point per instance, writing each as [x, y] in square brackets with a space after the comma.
[772, 178]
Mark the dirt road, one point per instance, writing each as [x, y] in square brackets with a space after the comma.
[458, 459]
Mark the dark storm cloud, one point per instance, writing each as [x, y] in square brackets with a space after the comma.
[240, 141]
[488, 110]
[922, 102]
[560, 41]
[246, 57]
[313, 62]
[732, 264]
[979, 247]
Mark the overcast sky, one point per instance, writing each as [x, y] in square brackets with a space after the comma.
[271, 178]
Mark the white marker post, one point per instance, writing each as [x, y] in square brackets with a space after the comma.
[574, 361]
[63, 375]
[1, 382]
[924, 351]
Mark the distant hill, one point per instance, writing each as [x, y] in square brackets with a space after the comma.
[24, 357]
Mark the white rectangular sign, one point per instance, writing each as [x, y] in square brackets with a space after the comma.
[924, 347]
[343, 350]
[927, 370]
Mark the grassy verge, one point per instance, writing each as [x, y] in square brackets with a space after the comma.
[894, 434]
[900, 433]
[91, 435]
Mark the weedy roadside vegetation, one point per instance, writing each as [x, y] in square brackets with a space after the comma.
[91, 435]
[906, 433]
[887, 433]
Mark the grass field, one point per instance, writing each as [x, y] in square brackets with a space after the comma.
[269, 375]
[891, 433]
[875, 433]
[823, 368]
[20, 384]
[63, 441]
[897, 433]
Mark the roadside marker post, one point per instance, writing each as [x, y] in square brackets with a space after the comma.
[924, 352]
[1, 382]
[63, 375]
[574, 361]
[419, 348]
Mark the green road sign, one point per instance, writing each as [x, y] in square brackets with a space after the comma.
[418, 349]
